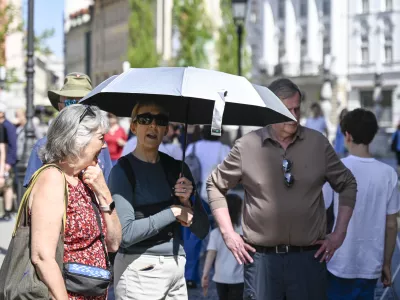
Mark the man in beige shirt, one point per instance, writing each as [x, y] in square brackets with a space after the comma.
[282, 168]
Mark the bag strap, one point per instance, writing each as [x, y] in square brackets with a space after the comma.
[128, 170]
[23, 207]
[98, 220]
[102, 237]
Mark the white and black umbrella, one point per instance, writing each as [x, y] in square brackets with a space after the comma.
[191, 96]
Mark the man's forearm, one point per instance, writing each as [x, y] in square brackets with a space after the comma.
[343, 218]
[223, 220]
[390, 238]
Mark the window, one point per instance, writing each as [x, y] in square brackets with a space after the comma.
[303, 8]
[388, 45]
[389, 5]
[326, 7]
[364, 44]
[281, 9]
[281, 46]
[303, 48]
[388, 48]
[365, 6]
[326, 45]
[388, 53]
[364, 54]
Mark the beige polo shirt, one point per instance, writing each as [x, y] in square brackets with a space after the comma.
[273, 213]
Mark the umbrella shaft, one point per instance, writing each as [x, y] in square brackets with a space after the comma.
[185, 135]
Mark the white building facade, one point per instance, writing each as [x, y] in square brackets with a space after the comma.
[374, 52]
[351, 39]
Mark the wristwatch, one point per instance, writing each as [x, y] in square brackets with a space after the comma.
[108, 208]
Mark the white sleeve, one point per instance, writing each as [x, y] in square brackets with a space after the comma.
[189, 149]
[393, 205]
[213, 241]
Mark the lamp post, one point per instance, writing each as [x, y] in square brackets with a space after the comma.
[29, 129]
[3, 75]
[239, 11]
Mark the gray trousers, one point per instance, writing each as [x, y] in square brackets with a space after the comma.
[291, 276]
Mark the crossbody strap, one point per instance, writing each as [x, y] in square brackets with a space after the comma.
[98, 220]
[23, 207]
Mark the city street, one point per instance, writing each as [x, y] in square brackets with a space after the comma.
[194, 294]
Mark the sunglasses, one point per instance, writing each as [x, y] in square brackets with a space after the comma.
[68, 102]
[287, 176]
[87, 112]
[147, 119]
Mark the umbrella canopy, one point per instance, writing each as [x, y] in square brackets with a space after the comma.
[191, 96]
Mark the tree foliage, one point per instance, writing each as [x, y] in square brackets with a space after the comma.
[7, 16]
[40, 41]
[194, 30]
[227, 43]
[142, 52]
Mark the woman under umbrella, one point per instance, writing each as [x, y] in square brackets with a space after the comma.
[152, 200]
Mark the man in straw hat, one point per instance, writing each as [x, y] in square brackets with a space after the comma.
[76, 86]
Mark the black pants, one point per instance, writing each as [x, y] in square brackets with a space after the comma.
[398, 157]
[230, 291]
[291, 276]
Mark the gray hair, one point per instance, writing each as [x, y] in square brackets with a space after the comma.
[67, 136]
[284, 88]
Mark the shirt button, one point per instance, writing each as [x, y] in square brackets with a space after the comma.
[170, 234]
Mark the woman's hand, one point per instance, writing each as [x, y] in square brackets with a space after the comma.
[183, 190]
[94, 178]
[184, 215]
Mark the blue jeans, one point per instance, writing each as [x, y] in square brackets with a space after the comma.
[349, 289]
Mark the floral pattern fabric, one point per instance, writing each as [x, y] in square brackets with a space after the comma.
[81, 240]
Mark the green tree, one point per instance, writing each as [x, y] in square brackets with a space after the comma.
[142, 52]
[40, 41]
[194, 29]
[227, 43]
[7, 16]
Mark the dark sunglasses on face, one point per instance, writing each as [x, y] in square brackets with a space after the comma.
[68, 102]
[87, 112]
[147, 119]
[288, 177]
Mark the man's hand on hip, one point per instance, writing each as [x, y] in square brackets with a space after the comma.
[238, 247]
[328, 246]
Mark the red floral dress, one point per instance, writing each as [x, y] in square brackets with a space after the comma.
[81, 240]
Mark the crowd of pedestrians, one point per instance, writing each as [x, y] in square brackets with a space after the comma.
[135, 225]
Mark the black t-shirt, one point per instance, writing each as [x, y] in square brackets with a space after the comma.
[2, 134]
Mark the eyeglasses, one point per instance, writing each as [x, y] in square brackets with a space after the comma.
[147, 119]
[68, 102]
[288, 177]
[87, 112]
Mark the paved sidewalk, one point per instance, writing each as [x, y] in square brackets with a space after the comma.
[6, 229]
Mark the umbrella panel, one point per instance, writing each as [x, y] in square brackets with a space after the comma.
[199, 111]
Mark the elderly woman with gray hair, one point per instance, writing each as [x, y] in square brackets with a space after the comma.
[92, 228]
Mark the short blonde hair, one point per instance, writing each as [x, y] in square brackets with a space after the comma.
[147, 103]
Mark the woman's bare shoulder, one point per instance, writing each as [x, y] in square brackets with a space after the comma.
[51, 178]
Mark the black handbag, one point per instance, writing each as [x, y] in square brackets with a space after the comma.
[88, 280]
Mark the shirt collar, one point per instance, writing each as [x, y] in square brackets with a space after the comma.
[267, 133]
